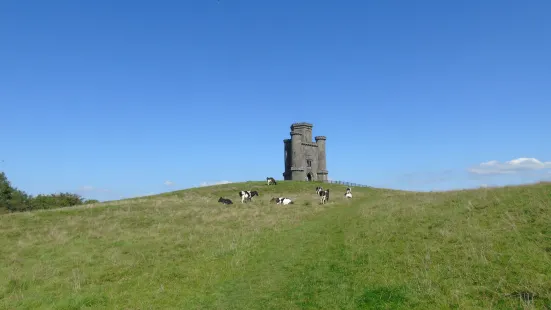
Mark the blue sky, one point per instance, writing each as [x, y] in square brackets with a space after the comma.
[115, 98]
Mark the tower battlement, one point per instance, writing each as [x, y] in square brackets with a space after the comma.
[303, 124]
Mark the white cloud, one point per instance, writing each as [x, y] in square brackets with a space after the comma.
[92, 192]
[169, 183]
[214, 183]
[510, 167]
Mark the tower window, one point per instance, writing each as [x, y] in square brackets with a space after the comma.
[309, 162]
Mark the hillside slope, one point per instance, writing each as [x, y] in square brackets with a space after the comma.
[383, 249]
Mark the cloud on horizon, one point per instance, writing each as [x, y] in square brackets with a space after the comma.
[88, 188]
[214, 183]
[514, 166]
[92, 192]
[169, 183]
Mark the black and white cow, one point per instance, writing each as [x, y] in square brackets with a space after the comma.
[282, 201]
[247, 195]
[324, 194]
[225, 201]
[271, 180]
[348, 193]
[319, 189]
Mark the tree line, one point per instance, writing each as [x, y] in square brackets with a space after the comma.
[13, 199]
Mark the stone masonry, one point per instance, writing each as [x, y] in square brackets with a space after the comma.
[304, 159]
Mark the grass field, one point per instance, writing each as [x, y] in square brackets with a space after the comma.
[384, 249]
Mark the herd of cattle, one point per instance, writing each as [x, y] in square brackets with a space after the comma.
[248, 195]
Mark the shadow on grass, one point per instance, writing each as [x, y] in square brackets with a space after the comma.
[382, 298]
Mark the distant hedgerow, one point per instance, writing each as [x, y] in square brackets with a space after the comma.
[15, 200]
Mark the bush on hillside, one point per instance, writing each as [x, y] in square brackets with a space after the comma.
[15, 200]
[56, 201]
[11, 198]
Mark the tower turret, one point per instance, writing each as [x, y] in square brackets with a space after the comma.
[305, 129]
[322, 162]
[297, 156]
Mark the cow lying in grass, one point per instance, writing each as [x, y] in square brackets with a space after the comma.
[270, 181]
[282, 200]
[247, 195]
[348, 193]
[225, 201]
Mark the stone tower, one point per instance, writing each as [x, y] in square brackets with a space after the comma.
[304, 159]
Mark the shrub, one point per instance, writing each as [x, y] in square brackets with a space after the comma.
[56, 201]
[15, 200]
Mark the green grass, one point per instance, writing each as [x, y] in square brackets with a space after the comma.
[384, 249]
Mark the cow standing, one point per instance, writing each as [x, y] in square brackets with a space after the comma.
[247, 195]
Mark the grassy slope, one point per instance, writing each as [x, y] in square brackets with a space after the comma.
[383, 249]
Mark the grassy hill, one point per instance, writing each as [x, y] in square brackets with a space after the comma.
[384, 249]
